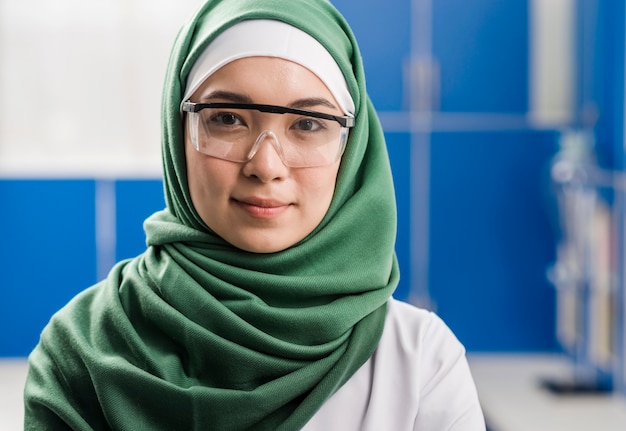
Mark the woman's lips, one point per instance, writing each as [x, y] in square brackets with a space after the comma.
[262, 208]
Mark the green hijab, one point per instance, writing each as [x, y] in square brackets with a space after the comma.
[197, 334]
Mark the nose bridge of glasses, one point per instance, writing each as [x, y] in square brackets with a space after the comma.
[264, 136]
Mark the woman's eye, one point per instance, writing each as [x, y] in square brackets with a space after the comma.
[308, 125]
[226, 119]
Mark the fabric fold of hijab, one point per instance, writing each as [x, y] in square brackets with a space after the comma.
[196, 334]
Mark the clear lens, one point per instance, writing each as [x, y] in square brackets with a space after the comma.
[236, 135]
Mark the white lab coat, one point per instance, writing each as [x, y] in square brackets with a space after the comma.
[417, 379]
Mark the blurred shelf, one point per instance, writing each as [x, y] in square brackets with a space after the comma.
[509, 387]
[12, 378]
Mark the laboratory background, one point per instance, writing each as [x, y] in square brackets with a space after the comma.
[505, 127]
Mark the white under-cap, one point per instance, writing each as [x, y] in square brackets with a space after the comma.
[269, 38]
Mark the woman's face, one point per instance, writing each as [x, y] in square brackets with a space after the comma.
[262, 205]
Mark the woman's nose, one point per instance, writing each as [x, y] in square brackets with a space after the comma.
[266, 163]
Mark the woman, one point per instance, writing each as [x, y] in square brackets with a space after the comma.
[263, 300]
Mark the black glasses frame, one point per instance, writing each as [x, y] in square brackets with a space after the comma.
[345, 121]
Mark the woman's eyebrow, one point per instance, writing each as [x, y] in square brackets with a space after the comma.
[311, 102]
[227, 95]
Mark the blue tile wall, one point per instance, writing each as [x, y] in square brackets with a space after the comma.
[492, 240]
[135, 201]
[482, 54]
[47, 254]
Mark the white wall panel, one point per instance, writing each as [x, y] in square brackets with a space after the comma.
[80, 85]
[552, 61]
